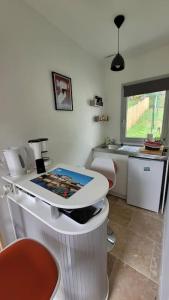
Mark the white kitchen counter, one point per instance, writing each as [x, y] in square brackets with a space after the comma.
[120, 157]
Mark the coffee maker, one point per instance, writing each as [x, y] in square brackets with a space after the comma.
[40, 151]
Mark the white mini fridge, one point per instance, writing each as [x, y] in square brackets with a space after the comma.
[145, 178]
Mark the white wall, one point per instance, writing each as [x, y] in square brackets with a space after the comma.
[30, 48]
[147, 65]
[164, 287]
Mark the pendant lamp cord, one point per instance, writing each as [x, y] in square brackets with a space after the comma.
[118, 40]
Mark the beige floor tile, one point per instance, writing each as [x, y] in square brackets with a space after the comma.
[137, 252]
[120, 214]
[155, 215]
[116, 201]
[121, 239]
[155, 263]
[0, 244]
[133, 249]
[122, 202]
[137, 232]
[151, 227]
[127, 284]
[110, 263]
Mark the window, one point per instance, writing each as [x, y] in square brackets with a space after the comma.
[144, 113]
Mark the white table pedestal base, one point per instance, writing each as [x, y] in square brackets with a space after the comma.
[82, 257]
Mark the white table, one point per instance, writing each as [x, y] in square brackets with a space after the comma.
[79, 249]
[90, 194]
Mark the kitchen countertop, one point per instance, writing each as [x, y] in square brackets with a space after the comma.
[103, 148]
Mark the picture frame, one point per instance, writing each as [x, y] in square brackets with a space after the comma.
[62, 88]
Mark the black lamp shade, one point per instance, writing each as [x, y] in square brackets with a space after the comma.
[117, 63]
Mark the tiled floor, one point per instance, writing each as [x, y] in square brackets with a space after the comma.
[0, 243]
[134, 262]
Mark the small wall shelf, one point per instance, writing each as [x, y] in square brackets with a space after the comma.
[96, 102]
[101, 118]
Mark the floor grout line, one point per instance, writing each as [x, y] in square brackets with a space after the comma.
[125, 263]
[124, 228]
[135, 232]
[152, 256]
[137, 209]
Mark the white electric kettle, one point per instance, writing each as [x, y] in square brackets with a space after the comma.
[17, 160]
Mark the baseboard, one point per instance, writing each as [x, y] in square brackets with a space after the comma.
[117, 195]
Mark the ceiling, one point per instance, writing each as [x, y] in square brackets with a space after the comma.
[90, 23]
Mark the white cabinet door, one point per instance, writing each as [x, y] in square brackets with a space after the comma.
[122, 165]
[144, 183]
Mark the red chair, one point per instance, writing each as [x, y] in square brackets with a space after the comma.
[28, 272]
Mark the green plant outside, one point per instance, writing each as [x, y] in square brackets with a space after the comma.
[143, 125]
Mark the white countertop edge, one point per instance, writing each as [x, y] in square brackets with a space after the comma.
[64, 224]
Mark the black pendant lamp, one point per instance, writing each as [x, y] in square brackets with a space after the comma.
[118, 62]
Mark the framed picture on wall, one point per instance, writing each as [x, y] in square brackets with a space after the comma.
[62, 87]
